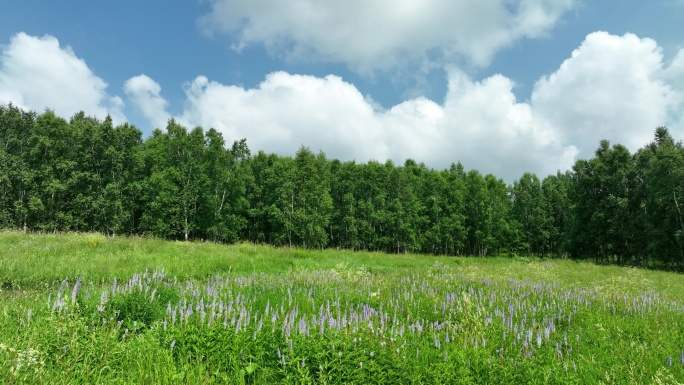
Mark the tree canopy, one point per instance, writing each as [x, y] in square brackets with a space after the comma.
[90, 175]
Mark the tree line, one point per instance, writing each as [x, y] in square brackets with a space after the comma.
[89, 175]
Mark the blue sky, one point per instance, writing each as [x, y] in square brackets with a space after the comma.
[504, 87]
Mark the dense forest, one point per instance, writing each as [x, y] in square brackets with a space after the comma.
[89, 175]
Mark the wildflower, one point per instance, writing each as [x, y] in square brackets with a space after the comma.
[669, 361]
[539, 339]
[303, 362]
[103, 299]
[361, 365]
[173, 343]
[77, 287]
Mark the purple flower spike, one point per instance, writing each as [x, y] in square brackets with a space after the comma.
[77, 287]
[669, 361]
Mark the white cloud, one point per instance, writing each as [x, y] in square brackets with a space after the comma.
[612, 87]
[37, 73]
[378, 34]
[481, 124]
[287, 111]
[674, 75]
[145, 93]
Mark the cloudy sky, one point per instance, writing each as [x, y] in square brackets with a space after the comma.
[503, 86]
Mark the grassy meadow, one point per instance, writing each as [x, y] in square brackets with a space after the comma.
[85, 308]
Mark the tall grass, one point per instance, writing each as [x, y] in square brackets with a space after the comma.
[137, 310]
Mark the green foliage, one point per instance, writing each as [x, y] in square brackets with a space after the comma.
[140, 309]
[87, 175]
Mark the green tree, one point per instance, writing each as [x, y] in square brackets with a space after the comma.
[52, 160]
[175, 191]
[556, 205]
[227, 179]
[344, 231]
[453, 218]
[600, 217]
[17, 178]
[311, 201]
[664, 187]
[528, 211]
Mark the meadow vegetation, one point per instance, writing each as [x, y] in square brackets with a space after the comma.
[86, 308]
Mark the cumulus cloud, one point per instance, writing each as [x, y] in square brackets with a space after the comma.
[287, 111]
[376, 34]
[37, 73]
[145, 94]
[612, 87]
[674, 75]
[480, 124]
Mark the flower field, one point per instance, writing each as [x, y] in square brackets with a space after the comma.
[444, 321]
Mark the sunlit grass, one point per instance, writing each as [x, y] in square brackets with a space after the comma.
[150, 311]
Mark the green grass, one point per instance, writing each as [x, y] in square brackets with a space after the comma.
[256, 316]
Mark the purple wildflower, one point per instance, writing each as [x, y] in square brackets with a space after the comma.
[539, 339]
[77, 287]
